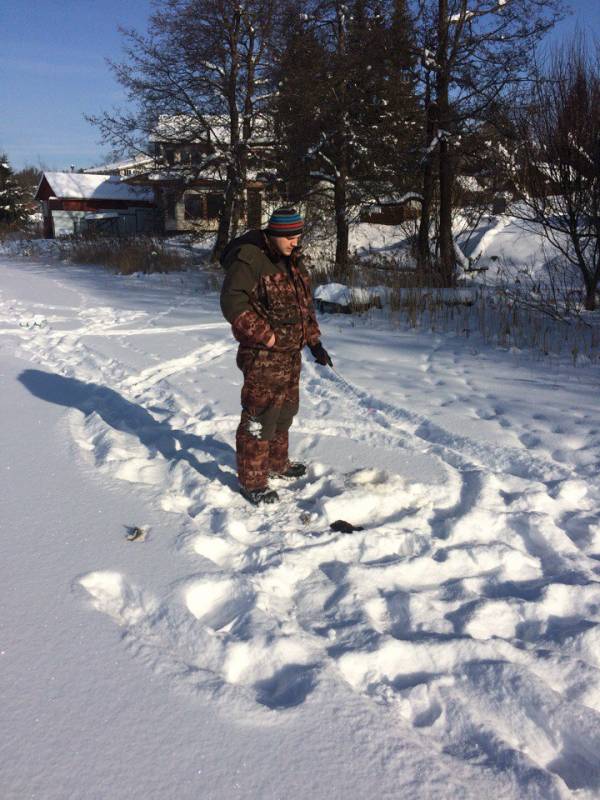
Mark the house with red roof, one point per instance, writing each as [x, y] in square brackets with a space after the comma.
[76, 203]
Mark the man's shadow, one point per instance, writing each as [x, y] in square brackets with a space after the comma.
[122, 415]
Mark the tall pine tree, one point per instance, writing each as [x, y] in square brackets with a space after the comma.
[342, 104]
[13, 206]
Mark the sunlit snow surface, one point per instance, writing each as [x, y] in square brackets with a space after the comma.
[467, 608]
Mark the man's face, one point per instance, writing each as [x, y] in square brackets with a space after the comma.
[285, 244]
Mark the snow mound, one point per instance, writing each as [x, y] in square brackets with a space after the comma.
[344, 295]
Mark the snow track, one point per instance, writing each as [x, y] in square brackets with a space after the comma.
[468, 607]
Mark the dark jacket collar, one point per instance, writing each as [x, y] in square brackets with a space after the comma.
[259, 239]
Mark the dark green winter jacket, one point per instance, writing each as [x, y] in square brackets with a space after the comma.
[265, 294]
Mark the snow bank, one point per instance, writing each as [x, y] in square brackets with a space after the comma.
[343, 295]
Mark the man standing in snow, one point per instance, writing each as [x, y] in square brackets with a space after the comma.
[267, 299]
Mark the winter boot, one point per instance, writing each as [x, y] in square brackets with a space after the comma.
[258, 496]
[293, 469]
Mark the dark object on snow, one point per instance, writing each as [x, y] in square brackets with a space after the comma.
[258, 496]
[294, 469]
[135, 534]
[341, 526]
[321, 355]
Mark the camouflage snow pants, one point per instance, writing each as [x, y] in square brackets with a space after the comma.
[270, 399]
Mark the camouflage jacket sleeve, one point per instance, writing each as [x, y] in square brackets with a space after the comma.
[313, 333]
[249, 327]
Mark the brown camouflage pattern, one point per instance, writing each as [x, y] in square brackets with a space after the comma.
[249, 327]
[252, 460]
[278, 453]
[287, 301]
[270, 398]
[264, 294]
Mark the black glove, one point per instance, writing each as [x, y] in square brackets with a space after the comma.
[321, 355]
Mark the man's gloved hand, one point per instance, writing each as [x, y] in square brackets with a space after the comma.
[321, 355]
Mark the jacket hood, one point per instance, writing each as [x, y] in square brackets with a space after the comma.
[258, 238]
[255, 237]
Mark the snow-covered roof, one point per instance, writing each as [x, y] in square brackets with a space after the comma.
[136, 162]
[76, 185]
[186, 128]
[169, 174]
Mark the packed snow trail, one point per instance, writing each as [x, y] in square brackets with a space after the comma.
[468, 607]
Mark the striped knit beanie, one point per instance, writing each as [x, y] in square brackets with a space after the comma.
[285, 222]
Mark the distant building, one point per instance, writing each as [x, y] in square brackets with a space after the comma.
[188, 175]
[75, 203]
[392, 210]
[124, 168]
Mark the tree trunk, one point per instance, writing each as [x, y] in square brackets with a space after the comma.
[591, 288]
[341, 181]
[590, 301]
[423, 238]
[341, 271]
[447, 257]
[226, 216]
[238, 217]
[423, 249]
[447, 260]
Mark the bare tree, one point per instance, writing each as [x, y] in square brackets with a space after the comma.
[198, 81]
[474, 55]
[559, 172]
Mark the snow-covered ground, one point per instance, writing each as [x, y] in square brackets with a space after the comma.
[449, 649]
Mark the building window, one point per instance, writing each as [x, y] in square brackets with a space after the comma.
[194, 206]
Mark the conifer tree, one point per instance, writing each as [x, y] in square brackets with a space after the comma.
[340, 109]
[13, 207]
[399, 129]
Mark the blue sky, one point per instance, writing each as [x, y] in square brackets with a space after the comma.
[52, 71]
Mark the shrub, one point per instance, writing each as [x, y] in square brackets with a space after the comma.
[127, 255]
[11, 231]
